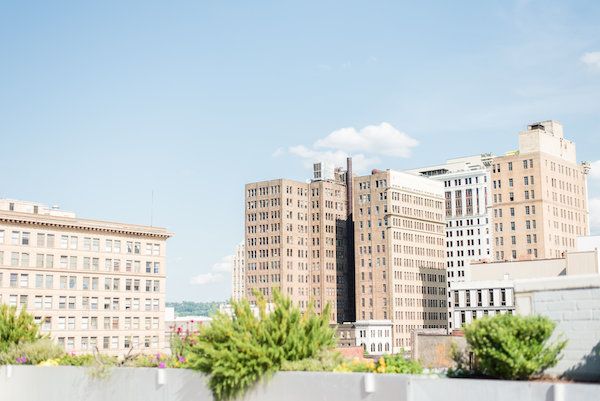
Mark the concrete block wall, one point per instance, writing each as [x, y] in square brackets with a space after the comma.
[65, 383]
[574, 304]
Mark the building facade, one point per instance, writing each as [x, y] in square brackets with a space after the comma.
[89, 284]
[539, 196]
[399, 235]
[468, 206]
[238, 273]
[296, 242]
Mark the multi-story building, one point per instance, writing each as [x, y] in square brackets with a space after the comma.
[539, 195]
[468, 202]
[489, 287]
[296, 242]
[400, 252]
[238, 273]
[89, 284]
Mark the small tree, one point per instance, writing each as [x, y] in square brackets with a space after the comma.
[238, 351]
[513, 347]
[16, 328]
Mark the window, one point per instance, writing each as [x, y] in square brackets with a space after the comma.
[50, 240]
[25, 238]
[64, 241]
[24, 281]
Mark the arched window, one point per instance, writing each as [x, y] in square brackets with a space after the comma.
[372, 347]
[387, 347]
[379, 347]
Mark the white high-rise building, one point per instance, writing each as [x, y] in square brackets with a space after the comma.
[468, 203]
[238, 273]
[467, 209]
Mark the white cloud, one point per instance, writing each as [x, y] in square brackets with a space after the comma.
[278, 152]
[594, 206]
[382, 139]
[364, 146]
[592, 59]
[334, 157]
[595, 170]
[224, 265]
[206, 278]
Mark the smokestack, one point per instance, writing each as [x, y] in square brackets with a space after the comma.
[349, 197]
[349, 270]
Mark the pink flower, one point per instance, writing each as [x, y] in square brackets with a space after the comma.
[181, 359]
[162, 365]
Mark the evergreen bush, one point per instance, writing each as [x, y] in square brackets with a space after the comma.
[236, 352]
[513, 347]
[16, 327]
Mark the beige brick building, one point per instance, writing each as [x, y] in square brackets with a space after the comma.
[399, 234]
[88, 283]
[296, 241]
[539, 196]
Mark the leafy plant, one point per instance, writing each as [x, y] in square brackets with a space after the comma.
[16, 327]
[398, 364]
[76, 360]
[31, 353]
[238, 351]
[325, 362]
[513, 347]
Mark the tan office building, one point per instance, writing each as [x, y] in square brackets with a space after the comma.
[88, 283]
[539, 196]
[399, 234]
[296, 241]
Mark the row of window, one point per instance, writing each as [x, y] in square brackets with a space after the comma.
[73, 242]
[23, 259]
[87, 283]
[47, 302]
[108, 343]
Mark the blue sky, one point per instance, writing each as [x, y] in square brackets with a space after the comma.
[102, 103]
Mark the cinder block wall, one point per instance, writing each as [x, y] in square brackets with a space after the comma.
[574, 304]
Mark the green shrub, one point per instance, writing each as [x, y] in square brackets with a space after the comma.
[513, 347]
[15, 327]
[77, 360]
[398, 364]
[31, 353]
[326, 362]
[237, 352]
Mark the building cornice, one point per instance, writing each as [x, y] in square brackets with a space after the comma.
[83, 224]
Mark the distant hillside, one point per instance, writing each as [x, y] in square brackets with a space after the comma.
[187, 308]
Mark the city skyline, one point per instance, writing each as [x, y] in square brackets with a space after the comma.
[151, 133]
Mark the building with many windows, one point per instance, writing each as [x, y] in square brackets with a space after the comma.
[399, 236]
[89, 284]
[468, 203]
[238, 273]
[539, 196]
[296, 242]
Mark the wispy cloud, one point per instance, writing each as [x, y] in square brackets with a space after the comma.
[216, 275]
[206, 278]
[595, 170]
[382, 139]
[366, 146]
[592, 59]
[594, 206]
